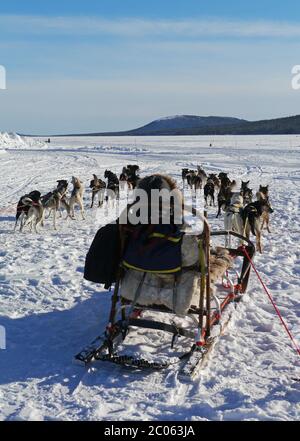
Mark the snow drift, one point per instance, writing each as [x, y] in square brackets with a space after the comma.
[15, 141]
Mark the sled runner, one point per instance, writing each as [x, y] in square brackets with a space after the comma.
[213, 291]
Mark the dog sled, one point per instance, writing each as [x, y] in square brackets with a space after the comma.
[200, 293]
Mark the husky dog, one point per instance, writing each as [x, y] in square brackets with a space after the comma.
[223, 175]
[123, 178]
[246, 220]
[225, 193]
[98, 187]
[252, 215]
[34, 215]
[194, 180]
[76, 197]
[197, 178]
[244, 185]
[129, 175]
[201, 171]
[112, 186]
[189, 178]
[132, 177]
[266, 219]
[56, 199]
[24, 204]
[209, 191]
[233, 220]
[215, 179]
[62, 186]
[246, 192]
[248, 196]
[225, 181]
[263, 194]
[184, 172]
[52, 201]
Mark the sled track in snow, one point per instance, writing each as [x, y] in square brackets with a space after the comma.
[18, 189]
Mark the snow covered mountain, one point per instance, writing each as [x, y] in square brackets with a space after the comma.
[210, 125]
[217, 125]
[186, 122]
[177, 124]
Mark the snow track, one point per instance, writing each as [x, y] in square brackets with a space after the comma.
[49, 311]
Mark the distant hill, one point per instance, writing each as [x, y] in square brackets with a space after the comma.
[173, 124]
[209, 125]
[186, 122]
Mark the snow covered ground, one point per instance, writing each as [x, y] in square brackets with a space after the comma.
[49, 312]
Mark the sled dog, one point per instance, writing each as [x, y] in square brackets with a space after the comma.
[25, 203]
[98, 188]
[76, 197]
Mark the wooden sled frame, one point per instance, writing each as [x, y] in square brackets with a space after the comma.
[106, 345]
[205, 299]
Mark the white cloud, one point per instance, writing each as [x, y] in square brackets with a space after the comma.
[132, 27]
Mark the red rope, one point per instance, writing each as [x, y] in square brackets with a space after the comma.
[272, 301]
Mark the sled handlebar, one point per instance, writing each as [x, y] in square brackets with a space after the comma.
[233, 233]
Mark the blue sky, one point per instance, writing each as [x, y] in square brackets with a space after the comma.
[269, 9]
[117, 64]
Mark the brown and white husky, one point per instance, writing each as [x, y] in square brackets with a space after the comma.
[98, 187]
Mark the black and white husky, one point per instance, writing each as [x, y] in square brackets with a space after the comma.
[246, 192]
[51, 201]
[130, 172]
[248, 219]
[24, 205]
[225, 192]
[56, 199]
[30, 211]
[62, 187]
